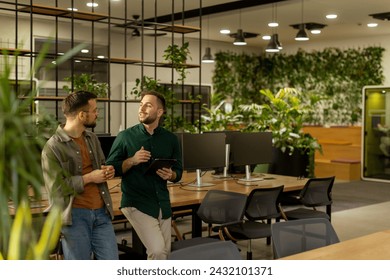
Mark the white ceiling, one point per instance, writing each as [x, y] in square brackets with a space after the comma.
[353, 15]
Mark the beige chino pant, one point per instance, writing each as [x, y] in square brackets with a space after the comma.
[154, 233]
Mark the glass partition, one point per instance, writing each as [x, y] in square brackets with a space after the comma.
[376, 133]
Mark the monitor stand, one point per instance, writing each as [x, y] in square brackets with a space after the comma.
[226, 168]
[199, 183]
[248, 177]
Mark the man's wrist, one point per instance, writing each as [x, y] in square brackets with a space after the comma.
[173, 177]
[128, 163]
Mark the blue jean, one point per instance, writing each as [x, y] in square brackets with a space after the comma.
[91, 232]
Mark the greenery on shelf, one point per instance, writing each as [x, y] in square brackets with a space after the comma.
[332, 76]
[178, 56]
[87, 82]
[172, 121]
[21, 177]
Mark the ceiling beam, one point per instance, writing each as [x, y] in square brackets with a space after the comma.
[220, 8]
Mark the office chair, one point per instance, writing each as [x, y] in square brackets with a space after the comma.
[316, 192]
[220, 250]
[218, 208]
[262, 206]
[297, 236]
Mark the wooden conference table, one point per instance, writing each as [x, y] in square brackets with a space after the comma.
[375, 246]
[185, 197]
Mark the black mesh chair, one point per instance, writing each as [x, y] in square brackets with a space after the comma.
[220, 250]
[218, 208]
[316, 192]
[262, 206]
[297, 236]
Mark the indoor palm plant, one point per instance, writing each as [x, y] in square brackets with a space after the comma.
[21, 178]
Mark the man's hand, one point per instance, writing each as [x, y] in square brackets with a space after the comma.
[99, 175]
[140, 156]
[166, 174]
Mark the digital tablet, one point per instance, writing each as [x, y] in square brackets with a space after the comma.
[159, 163]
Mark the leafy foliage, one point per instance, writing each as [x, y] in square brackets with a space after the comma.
[282, 113]
[172, 120]
[87, 82]
[178, 56]
[331, 76]
[21, 175]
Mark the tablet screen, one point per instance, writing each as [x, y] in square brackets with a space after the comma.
[159, 163]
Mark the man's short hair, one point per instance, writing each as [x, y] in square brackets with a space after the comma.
[160, 97]
[76, 101]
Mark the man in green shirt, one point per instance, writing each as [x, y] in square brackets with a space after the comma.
[145, 197]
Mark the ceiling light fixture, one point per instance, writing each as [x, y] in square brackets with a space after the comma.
[313, 27]
[208, 58]
[273, 23]
[372, 24]
[272, 46]
[302, 35]
[266, 37]
[381, 16]
[224, 31]
[280, 47]
[331, 16]
[92, 4]
[240, 39]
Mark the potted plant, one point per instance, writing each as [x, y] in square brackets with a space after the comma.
[284, 114]
[21, 177]
[178, 56]
[87, 82]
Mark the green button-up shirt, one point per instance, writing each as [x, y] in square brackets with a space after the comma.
[146, 192]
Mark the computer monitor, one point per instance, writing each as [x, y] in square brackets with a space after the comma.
[228, 161]
[202, 152]
[106, 142]
[250, 148]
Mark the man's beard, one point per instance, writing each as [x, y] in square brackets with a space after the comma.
[90, 125]
[148, 120]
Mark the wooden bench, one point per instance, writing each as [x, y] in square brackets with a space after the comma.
[341, 155]
[343, 169]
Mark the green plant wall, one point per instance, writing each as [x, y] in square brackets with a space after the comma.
[333, 76]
